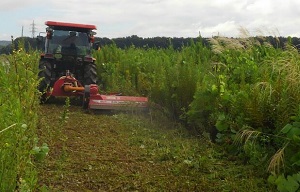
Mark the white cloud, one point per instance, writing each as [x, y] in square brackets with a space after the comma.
[149, 18]
[10, 5]
[259, 7]
[228, 28]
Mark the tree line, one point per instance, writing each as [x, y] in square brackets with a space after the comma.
[151, 42]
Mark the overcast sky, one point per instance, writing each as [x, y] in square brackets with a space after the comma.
[152, 18]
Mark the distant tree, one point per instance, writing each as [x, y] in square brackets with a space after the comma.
[151, 42]
[5, 49]
[29, 43]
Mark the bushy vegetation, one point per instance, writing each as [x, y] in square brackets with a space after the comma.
[18, 119]
[167, 76]
[246, 89]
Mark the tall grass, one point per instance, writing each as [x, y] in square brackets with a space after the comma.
[18, 119]
[232, 85]
[167, 76]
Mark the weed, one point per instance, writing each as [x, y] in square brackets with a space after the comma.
[18, 114]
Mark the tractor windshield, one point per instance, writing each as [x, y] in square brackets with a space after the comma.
[69, 43]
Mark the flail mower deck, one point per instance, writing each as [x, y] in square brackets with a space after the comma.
[68, 86]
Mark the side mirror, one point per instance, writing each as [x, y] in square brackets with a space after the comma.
[40, 41]
[96, 45]
[49, 35]
[91, 35]
[49, 32]
[39, 38]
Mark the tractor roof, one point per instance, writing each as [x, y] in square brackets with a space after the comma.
[70, 26]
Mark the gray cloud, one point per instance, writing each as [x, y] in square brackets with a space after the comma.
[11, 5]
[174, 18]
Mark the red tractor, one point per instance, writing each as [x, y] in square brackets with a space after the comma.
[67, 68]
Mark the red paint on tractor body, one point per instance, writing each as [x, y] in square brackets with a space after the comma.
[58, 89]
[71, 25]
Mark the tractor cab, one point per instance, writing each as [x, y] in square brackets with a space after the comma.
[68, 39]
[67, 47]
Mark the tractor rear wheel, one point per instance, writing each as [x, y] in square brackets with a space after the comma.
[45, 76]
[90, 74]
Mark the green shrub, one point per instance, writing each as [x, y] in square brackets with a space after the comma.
[168, 77]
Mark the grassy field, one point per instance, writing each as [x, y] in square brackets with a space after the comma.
[244, 90]
[131, 152]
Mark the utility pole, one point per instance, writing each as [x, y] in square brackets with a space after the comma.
[33, 29]
[22, 31]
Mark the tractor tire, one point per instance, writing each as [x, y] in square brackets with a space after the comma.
[45, 75]
[90, 74]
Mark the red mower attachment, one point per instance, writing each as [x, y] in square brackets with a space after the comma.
[67, 86]
[94, 100]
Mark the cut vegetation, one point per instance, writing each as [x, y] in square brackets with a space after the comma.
[131, 152]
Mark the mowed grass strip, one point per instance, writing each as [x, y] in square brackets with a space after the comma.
[126, 152]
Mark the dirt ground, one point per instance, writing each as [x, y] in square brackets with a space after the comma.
[92, 152]
[114, 152]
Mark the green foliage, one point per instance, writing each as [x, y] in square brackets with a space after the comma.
[232, 85]
[167, 76]
[292, 131]
[290, 183]
[18, 120]
[40, 152]
[65, 113]
[291, 134]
